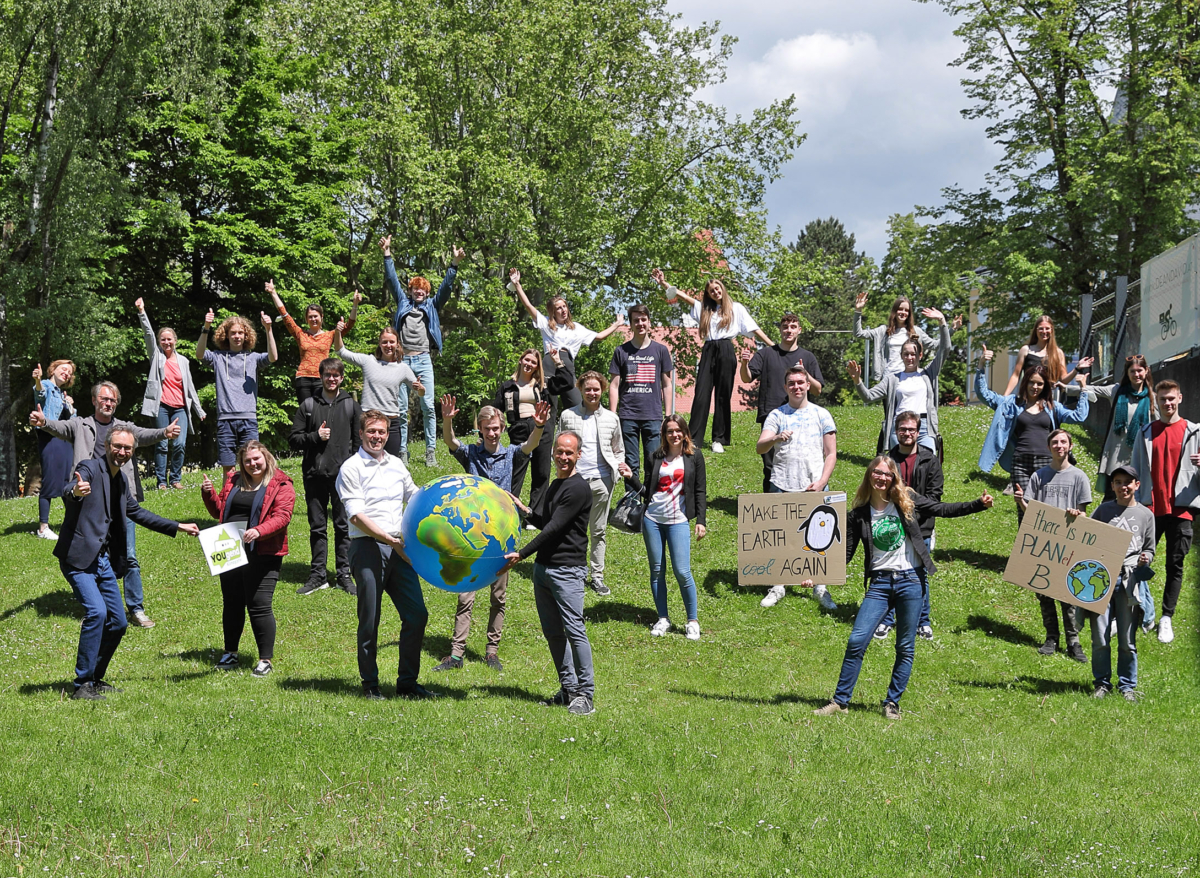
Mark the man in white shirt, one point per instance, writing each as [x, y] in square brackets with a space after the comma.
[804, 439]
[374, 486]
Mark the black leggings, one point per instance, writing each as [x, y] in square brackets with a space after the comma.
[248, 591]
[306, 388]
[542, 458]
[718, 362]
[392, 446]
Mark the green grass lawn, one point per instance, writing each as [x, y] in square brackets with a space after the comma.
[702, 758]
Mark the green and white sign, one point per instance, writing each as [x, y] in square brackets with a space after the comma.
[223, 547]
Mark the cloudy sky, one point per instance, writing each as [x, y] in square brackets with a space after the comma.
[876, 97]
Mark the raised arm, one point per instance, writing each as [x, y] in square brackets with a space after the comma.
[514, 279]
[39, 392]
[339, 329]
[390, 278]
[1015, 378]
[147, 329]
[674, 294]
[943, 341]
[289, 324]
[449, 410]
[541, 414]
[202, 342]
[605, 333]
[981, 388]
[866, 394]
[447, 284]
[268, 325]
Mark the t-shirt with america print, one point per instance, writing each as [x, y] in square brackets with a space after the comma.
[641, 371]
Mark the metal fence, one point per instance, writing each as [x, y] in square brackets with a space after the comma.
[1116, 331]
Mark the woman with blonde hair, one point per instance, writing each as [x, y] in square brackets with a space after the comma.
[887, 338]
[236, 368]
[884, 518]
[170, 396]
[385, 377]
[260, 496]
[57, 455]
[721, 320]
[560, 332]
[517, 398]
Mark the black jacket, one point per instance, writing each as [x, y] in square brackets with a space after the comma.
[508, 400]
[90, 520]
[323, 458]
[858, 528]
[927, 481]
[695, 485]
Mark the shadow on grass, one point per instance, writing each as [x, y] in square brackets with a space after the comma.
[330, 685]
[1032, 685]
[1000, 630]
[200, 656]
[20, 527]
[58, 687]
[981, 560]
[514, 692]
[779, 699]
[728, 505]
[719, 576]
[994, 481]
[856, 459]
[618, 611]
[54, 603]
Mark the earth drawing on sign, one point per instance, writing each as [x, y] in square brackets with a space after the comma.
[457, 530]
[1088, 580]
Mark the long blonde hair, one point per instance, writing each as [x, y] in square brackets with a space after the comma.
[539, 374]
[897, 493]
[708, 306]
[272, 466]
[570, 324]
[1052, 357]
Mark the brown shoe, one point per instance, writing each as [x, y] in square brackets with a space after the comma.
[831, 709]
[178, 486]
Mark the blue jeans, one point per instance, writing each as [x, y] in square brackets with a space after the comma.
[104, 623]
[901, 591]
[163, 419]
[422, 366]
[890, 619]
[1128, 615]
[924, 437]
[649, 434]
[558, 595]
[133, 570]
[677, 539]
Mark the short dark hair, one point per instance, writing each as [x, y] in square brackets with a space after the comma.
[1054, 433]
[905, 417]
[796, 368]
[314, 306]
[789, 317]
[639, 308]
[333, 364]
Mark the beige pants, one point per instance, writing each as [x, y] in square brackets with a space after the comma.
[597, 526]
[462, 618]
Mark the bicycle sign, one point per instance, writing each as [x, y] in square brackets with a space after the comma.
[1168, 326]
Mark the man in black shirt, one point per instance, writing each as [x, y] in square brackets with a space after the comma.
[558, 575]
[769, 366]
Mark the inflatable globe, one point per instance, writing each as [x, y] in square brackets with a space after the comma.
[457, 530]
[1088, 580]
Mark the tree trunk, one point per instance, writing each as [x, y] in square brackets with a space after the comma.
[10, 479]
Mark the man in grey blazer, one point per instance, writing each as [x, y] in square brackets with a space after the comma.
[87, 437]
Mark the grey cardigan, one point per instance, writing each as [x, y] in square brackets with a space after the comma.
[81, 433]
[878, 336]
[158, 369]
[886, 390]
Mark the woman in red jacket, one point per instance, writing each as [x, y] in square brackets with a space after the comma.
[261, 497]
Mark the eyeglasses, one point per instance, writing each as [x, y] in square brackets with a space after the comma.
[907, 430]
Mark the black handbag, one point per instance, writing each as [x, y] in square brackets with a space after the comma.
[627, 514]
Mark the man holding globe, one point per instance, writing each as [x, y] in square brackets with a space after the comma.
[488, 459]
[374, 486]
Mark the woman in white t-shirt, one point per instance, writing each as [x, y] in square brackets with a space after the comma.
[887, 337]
[884, 518]
[561, 333]
[675, 492]
[721, 320]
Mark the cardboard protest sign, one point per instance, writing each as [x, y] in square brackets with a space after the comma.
[1077, 561]
[784, 539]
[223, 547]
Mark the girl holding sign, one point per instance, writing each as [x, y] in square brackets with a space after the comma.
[262, 497]
[884, 518]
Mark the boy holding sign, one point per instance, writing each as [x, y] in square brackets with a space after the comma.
[1131, 596]
[1062, 486]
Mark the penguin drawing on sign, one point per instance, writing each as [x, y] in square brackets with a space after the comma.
[821, 530]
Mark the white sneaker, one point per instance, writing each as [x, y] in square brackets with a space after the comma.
[718, 448]
[1165, 632]
[774, 596]
[821, 593]
[693, 630]
[661, 627]
[47, 534]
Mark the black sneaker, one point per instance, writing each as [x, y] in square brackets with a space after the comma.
[105, 688]
[346, 583]
[371, 692]
[1050, 647]
[227, 662]
[493, 661]
[417, 693]
[1100, 692]
[315, 583]
[581, 705]
[87, 692]
[558, 699]
[598, 586]
[1075, 652]
[450, 663]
